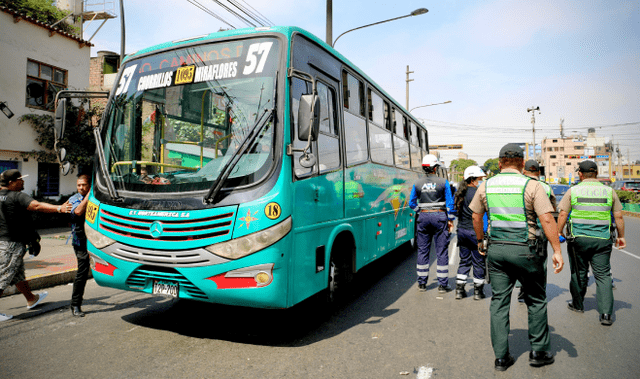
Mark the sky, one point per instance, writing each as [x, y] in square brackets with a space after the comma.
[578, 60]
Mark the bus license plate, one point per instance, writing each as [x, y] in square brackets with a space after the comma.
[165, 288]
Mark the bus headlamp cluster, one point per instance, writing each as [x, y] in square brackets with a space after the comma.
[96, 238]
[249, 244]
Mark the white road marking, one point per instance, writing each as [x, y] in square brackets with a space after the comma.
[628, 253]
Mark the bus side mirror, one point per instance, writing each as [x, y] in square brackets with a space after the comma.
[66, 167]
[308, 118]
[59, 120]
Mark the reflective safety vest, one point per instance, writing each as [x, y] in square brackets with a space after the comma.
[591, 204]
[507, 214]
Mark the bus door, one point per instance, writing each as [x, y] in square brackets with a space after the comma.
[319, 190]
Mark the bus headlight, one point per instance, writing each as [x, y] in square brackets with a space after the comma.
[96, 238]
[249, 244]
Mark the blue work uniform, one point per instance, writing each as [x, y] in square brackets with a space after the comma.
[468, 245]
[431, 197]
[80, 248]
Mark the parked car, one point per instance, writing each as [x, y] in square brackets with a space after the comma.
[626, 185]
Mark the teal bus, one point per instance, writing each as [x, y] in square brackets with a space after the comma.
[253, 167]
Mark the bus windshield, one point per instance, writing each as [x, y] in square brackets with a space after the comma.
[178, 117]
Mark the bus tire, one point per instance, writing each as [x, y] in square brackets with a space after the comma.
[340, 271]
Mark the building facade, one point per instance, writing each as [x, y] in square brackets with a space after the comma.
[37, 61]
[561, 156]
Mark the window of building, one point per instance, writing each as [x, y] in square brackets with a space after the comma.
[48, 179]
[555, 140]
[43, 82]
[578, 147]
[568, 163]
[111, 64]
[552, 156]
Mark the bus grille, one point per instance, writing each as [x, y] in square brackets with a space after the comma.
[174, 230]
[145, 274]
[165, 258]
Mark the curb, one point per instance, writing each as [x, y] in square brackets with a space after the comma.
[45, 281]
[631, 214]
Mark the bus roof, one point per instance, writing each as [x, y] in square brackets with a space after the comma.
[287, 31]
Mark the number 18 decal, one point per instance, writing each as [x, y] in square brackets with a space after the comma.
[272, 211]
[261, 49]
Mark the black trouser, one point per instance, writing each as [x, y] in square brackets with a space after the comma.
[81, 276]
[508, 263]
[596, 252]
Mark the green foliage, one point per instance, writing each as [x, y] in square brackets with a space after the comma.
[492, 165]
[628, 197]
[459, 165]
[564, 181]
[78, 137]
[42, 10]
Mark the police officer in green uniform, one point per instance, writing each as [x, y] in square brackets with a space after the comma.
[590, 240]
[514, 203]
[532, 170]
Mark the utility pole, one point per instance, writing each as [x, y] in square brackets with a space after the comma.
[329, 39]
[533, 123]
[408, 80]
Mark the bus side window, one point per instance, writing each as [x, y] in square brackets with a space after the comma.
[355, 127]
[328, 141]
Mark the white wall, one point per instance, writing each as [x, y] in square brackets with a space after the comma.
[19, 42]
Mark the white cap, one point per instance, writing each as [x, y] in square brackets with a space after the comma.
[473, 172]
[430, 160]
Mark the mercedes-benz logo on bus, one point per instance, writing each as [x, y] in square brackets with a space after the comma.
[156, 229]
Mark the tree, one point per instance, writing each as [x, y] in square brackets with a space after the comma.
[78, 138]
[459, 165]
[491, 166]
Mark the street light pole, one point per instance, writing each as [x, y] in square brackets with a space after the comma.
[428, 105]
[533, 123]
[417, 12]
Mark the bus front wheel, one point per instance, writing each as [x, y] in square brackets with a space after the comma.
[340, 275]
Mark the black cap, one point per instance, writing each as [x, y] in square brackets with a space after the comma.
[588, 166]
[10, 176]
[511, 150]
[531, 165]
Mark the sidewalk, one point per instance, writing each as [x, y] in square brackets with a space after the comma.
[56, 264]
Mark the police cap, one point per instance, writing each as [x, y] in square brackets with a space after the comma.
[588, 166]
[531, 165]
[511, 150]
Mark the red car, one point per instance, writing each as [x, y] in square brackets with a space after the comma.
[626, 185]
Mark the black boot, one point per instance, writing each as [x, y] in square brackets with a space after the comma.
[478, 292]
[460, 291]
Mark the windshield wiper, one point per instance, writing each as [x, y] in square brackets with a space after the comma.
[260, 124]
[111, 188]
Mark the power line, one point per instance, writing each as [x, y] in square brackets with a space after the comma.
[210, 12]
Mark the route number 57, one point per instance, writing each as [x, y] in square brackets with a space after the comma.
[255, 50]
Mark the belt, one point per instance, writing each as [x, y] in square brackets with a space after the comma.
[431, 210]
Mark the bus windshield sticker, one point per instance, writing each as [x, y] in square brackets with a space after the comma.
[200, 64]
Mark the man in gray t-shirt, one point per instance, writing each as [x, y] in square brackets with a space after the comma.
[16, 231]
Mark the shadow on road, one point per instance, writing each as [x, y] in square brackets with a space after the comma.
[375, 288]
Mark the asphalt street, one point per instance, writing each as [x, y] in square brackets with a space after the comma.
[387, 330]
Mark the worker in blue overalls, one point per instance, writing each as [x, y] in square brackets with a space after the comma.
[431, 197]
